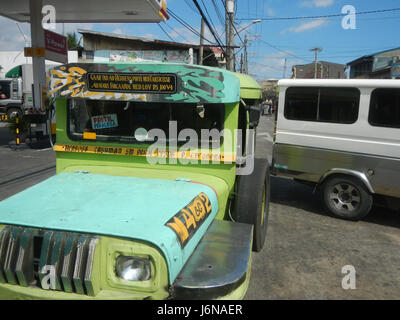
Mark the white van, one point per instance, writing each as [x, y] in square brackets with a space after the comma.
[343, 136]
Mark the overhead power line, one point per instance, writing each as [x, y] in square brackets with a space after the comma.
[182, 22]
[210, 19]
[188, 26]
[321, 16]
[190, 5]
[234, 27]
[176, 32]
[165, 32]
[209, 26]
[221, 17]
[283, 51]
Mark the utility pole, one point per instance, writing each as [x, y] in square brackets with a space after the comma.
[284, 69]
[201, 51]
[316, 51]
[226, 35]
[230, 35]
[246, 58]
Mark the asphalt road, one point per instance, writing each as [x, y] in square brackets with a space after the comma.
[305, 249]
[22, 167]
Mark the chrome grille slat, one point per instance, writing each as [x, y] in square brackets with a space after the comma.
[57, 256]
[45, 253]
[80, 264]
[23, 268]
[69, 255]
[11, 255]
[89, 267]
[69, 262]
[4, 237]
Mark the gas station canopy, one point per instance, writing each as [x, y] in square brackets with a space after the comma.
[72, 11]
[91, 11]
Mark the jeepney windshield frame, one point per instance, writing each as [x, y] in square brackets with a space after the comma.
[194, 110]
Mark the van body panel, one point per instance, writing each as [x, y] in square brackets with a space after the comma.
[310, 164]
[307, 150]
[360, 137]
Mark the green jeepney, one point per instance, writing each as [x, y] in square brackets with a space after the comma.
[157, 193]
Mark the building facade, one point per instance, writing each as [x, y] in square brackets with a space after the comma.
[110, 47]
[324, 70]
[380, 65]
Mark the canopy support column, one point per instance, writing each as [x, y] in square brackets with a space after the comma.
[38, 63]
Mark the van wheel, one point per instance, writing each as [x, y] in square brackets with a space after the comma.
[346, 198]
[252, 201]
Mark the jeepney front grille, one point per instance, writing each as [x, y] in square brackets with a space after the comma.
[54, 260]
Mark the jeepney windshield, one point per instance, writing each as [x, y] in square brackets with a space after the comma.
[119, 121]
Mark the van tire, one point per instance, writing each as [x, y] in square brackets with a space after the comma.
[251, 204]
[346, 197]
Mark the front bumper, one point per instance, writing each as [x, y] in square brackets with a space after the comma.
[218, 268]
[220, 265]
[13, 292]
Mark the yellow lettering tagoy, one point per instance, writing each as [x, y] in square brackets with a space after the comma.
[144, 152]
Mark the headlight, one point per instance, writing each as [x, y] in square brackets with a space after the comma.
[132, 268]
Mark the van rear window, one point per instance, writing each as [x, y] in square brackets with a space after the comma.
[336, 105]
[384, 109]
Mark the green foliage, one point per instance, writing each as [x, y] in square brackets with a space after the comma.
[72, 41]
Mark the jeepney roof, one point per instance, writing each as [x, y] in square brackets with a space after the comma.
[148, 82]
[249, 88]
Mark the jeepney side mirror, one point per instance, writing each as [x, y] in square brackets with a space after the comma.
[254, 115]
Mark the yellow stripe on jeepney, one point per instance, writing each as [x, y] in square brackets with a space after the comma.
[144, 152]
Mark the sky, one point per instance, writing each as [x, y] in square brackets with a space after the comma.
[275, 44]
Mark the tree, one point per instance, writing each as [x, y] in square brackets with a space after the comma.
[72, 41]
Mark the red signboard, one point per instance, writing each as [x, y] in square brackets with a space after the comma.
[56, 47]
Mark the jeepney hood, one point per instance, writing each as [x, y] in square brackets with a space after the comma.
[142, 209]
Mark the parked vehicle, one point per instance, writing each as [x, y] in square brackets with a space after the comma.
[133, 215]
[16, 98]
[11, 97]
[18, 89]
[343, 137]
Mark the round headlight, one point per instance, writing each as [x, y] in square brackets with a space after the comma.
[132, 268]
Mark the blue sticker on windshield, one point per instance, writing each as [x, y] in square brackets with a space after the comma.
[104, 121]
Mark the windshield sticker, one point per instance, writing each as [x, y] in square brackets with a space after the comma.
[130, 83]
[189, 219]
[104, 121]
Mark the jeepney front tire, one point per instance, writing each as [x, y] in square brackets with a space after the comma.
[346, 197]
[252, 201]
